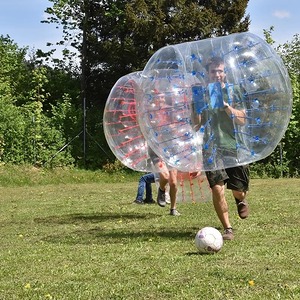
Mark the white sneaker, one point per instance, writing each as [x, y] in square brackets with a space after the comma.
[174, 212]
[167, 197]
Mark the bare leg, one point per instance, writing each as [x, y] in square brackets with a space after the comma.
[163, 175]
[173, 188]
[163, 179]
[220, 204]
[239, 195]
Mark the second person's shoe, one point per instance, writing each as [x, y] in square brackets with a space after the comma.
[161, 198]
[137, 201]
[151, 201]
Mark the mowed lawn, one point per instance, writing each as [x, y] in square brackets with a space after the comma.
[88, 241]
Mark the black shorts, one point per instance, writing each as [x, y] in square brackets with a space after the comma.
[236, 178]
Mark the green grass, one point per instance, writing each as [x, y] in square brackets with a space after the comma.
[87, 240]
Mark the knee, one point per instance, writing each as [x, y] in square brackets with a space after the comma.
[164, 176]
[142, 180]
[218, 189]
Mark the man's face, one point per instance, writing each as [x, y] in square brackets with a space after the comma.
[216, 73]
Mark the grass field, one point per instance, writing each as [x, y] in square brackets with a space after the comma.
[87, 240]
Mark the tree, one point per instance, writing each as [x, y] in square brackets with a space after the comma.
[13, 71]
[290, 53]
[285, 160]
[116, 37]
[28, 131]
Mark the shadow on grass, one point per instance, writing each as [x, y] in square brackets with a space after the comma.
[112, 233]
[198, 253]
[91, 218]
[104, 236]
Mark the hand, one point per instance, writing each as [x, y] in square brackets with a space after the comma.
[225, 105]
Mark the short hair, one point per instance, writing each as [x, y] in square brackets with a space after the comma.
[215, 60]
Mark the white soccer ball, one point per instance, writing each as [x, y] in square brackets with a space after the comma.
[208, 240]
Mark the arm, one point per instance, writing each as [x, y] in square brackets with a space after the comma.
[235, 107]
[196, 121]
[239, 115]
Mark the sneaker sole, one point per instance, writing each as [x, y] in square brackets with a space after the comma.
[161, 204]
[175, 215]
